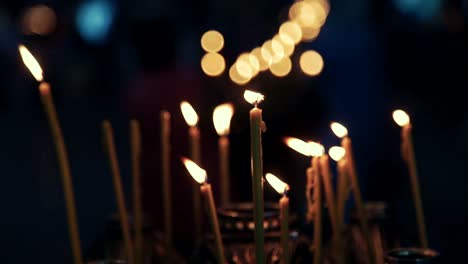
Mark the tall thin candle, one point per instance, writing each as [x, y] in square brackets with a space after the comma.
[317, 196]
[108, 136]
[61, 151]
[256, 128]
[329, 192]
[403, 120]
[135, 146]
[165, 137]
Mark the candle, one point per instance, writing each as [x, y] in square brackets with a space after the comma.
[329, 192]
[222, 118]
[337, 154]
[135, 148]
[282, 188]
[109, 144]
[317, 199]
[191, 118]
[257, 126]
[61, 151]
[342, 133]
[166, 173]
[403, 120]
[199, 175]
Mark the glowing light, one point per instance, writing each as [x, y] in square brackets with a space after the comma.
[309, 33]
[292, 30]
[253, 98]
[222, 115]
[197, 173]
[31, 63]
[213, 64]
[339, 130]
[212, 41]
[286, 42]
[316, 149]
[189, 113]
[277, 184]
[311, 63]
[308, 14]
[236, 77]
[262, 62]
[94, 20]
[244, 67]
[39, 20]
[401, 117]
[272, 49]
[336, 153]
[298, 145]
[281, 68]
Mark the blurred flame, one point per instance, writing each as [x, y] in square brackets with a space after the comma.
[281, 68]
[213, 64]
[339, 130]
[311, 62]
[222, 115]
[292, 30]
[263, 63]
[195, 171]
[309, 33]
[212, 41]
[298, 145]
[244, 67]
[31, 63]
[39, 19]
[308, 14]
[277, 184]
[316, 149]
[253, 97]
[401, 117]
[286, 42]
[189, 113]
[236, 77]
[272, 50]
[337, 153]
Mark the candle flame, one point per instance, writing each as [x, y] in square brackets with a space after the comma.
[316, 149]
[339, 130]
[195, 171]
[222, 118]
[31, 63]
[401, 117]
[189, 113]
[277, 184]
[337, 153]
[252, 97]
[299, 145]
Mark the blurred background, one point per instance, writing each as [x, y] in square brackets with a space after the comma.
[116, 60]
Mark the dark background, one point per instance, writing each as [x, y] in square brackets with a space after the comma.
[379, 55]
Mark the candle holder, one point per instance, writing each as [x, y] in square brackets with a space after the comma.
[412, 255]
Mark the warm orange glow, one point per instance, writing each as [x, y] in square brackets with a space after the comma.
[298, 145]
[236, 77]
[213, 64]
[31, 63]
[286, 42]
[277, 184]
[263, 63]
[244, 67]
[281, 68]
[189, 113]
[222, 115]
[401, 117]
[292, 30]
[309, 33]
[339, 130]
[212, 41]
[316, 149]
[272, 50]
[336, 153]
[253, 98]
[197, 173]
[308, 14]
[40, 20]
[311, 62]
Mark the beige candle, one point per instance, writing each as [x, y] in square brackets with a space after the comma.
[403, 120]
[61, 151]
[191, 118]
[221, 119]
[166, 173]
[135, 148]
[199, 175]
[317, 196]
[109, 144]
[329, 192]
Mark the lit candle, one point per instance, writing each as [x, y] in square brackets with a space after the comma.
[135, 148]
[282, 188]
[257, 126]
[199, 175]
[222, 119]
[341, 132]
[407, 150]
[120, 198]
[61, 151]
[337, 154]
[191, 118]
[329, 192]
[166, 173]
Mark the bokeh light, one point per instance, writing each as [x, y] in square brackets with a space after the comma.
[236, 77]
[310, 33]
[212, 41]
[213, 64]
[40, 20]
[287, 44]
[292, 30]
[262, 62]
[273, 50]
[282, 67]
[247, 67]
[94, 19]
[311, 62]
